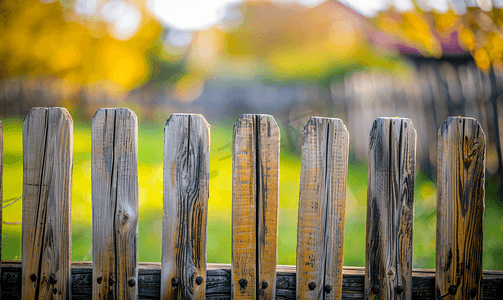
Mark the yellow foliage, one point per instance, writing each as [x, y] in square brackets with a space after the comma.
[40, 38]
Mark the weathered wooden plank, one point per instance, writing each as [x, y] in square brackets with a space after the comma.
[390, 209]
[47, 177]
[186, 190]
[115, 204]
[322, 201]
[218, 282]
[460, 208]
[255, 207]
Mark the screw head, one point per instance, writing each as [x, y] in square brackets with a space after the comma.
[399, 289]
[99, 279]
[264, 284]
[243, 282]
[327, 288]
[111, 280]
[55, 291]
[375, 289]
[473, 292]
[52, 279]
[199, 280]
[33, 277]
[175, 281]
[312, 285]
[452, 290]
[131, 282]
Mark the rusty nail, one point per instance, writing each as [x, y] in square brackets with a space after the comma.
[375, 289]
[131, 282]
[327, 288]
[33, 277]
[473, 292]
[99, 279]
[55, 291]
[453, 289]
[199, 280]
[264, 284]
[111, 280]
[243, 282]
[175, 281]
[399, 289]
[52, 280]
[312, 285]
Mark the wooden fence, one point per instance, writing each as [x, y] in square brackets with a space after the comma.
[46, 270]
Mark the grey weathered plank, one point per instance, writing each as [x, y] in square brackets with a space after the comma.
[460, 208]
[218, 282]
[322, 202]
[186, 190]
[255, 207]
[47, 177]
[390, 209]
[115, 204]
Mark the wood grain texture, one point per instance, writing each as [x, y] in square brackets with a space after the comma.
[47, 179]
[114, 177]
[322, 202]
[390, 209]
[255, 206]
[186, 190]
[218, 282]
[460, 208]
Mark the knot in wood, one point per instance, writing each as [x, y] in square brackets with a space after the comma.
[131, 282]
[375, 289]
[175, 281]
[243, 282]
[327, 288]
[312, 285]
[52, 279]
[473, 292]
[452, 290]
[199, 280]
[55, 291]
[399, 289]
[264, 284]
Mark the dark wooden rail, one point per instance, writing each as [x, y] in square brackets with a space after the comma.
[218, 282]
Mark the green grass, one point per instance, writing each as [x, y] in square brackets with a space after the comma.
[150, 151]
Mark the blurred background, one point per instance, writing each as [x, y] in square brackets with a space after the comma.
[354, 60]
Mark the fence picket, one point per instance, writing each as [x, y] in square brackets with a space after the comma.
[186, 187]
[255, 207]
[390, 209]
[322, 201]
[115, 204]
[46, 240]
[460, 208]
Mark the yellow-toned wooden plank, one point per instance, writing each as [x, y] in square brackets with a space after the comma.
[47, 176]
[460, 208]
[390, 209]
[186, 179]
[115, 204]
[1, 194]
[267, 179]
[255, 207]
[322, 201]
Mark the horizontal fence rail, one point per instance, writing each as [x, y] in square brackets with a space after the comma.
[46, 271]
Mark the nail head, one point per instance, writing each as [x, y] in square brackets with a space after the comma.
[99, 279]
[33, 277]
[199, 280]
[399, 289]
[175, 281]
[243, 282]
[131, 282]
[375, 289]
[328, 288]
[264, 284]
[312, 285]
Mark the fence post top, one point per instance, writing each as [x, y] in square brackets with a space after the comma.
[186, 115]
[62, 110]
[124, 110]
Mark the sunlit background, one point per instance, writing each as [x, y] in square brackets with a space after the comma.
[354, 60]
